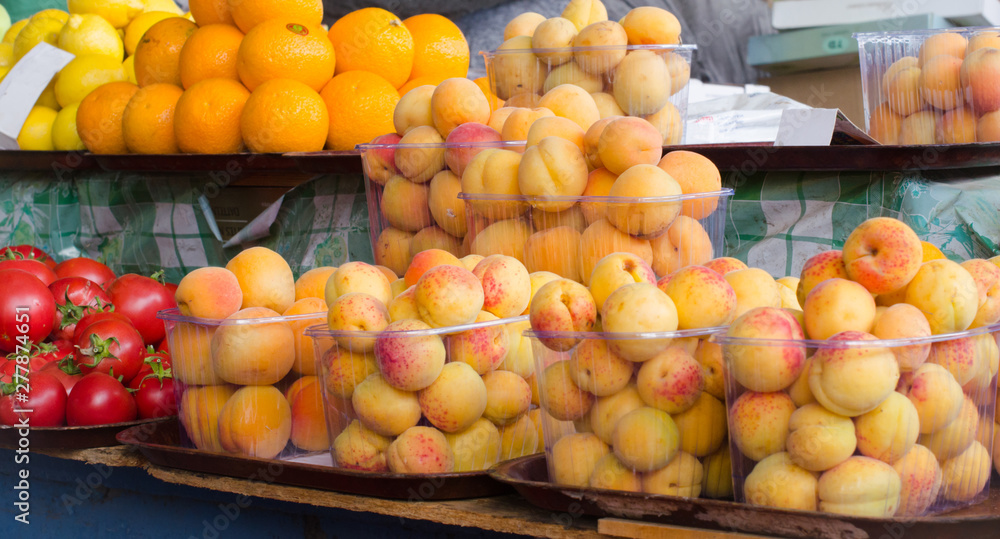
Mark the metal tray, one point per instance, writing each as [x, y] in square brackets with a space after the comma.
[73, 437]
[161, 446]
[529, 476]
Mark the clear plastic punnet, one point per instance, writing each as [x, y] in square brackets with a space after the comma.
[247, 386]
[931, 86]
[860, 426]
[453, 399]
[641, 412]
[648, 81]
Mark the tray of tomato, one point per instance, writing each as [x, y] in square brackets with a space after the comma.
[82, 354]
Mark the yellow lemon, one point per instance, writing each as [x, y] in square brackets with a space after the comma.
[64, 135]
[48, 96]
[139, 25]
[36, 31]
[129, 66]
[56, 14]
[162, 5]
[116, 12]
[36, 133]
[6, 54]
[84, 73]
[3, 72]
[11, 34]
[90, 34]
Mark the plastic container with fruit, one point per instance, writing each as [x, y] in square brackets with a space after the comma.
[414, 399]
[931, 86]
[245, 384]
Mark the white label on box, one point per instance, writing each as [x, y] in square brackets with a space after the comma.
[806, 127]
[21, 87]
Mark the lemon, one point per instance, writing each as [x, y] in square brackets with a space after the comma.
[36, 31]
[48, 97]
[36, 133]
[139, 25]
[4, 20]
[129, 66]
[64, 135]
[84, 73]
[6, 55]
[116, 12]
[162, 5]
[90, 34]
[3, 72]
[56, 14]
[11, 34]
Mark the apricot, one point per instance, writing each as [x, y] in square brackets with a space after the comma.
[191, 354]
[506, 285]
[255, 353]
[965, 476]
[591, 141]
[918, 128]
[940, 83]
[599, 183]
[709, 356]
[819, 439]
[516, 69]
[835, 385]
[476, 447]
[903, 321]
[360, 448]
[717, 481]
[199, 410]
[695, 174]
[957, 126]
[520, 120]
[384, 409]
[680, 71]
[776, 481]
[648, 219]
[607, 106]
[465, 141]
[616, 270]
[508, 396]
[646, 439]
[209, 292]
[889, 431]
[574, 457]
[860, 486]
[312, 284]
[448, 296]
[572, 217]
[420, 450]
[523, 25]
[944, 43]
[884, 125]
[818, 268]
[836, 305]
[265, 279]
[978, 75]
[309, 428]
[354, 317]
[423, 154]
[392, 249]
[920, 475]
[947, 295]
[405, 204]
[344, 370]
[685, 243]
[305, 356]
[628, 141]
[498, 117]
[456, 101]
[425, 260]
[754, 288]
[555, 250]
[484, 348]
[936, 395]
[764, 367]
[955, 437]
[570, 73]
[520, 438]
[572, 102]
[456, 399]
[433, 237]
[555, 33]
[669, 123]
[982, 40]
[649, 25]
[379, 160]
[560, 396]
[601, 239]
[758, 423]
[413, 109]
[897, 66]
[554, 126]
[553, 167]
[584, 12]
[702, 427]
[903, 92]
[256, 421]
[446, 208]
[642, 83]
[601, 46]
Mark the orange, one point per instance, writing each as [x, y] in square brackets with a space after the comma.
[284, 115]
[419, 81]
[207, 12]
[148, 120]
[484, 84]
[372, 39]
[250, 13]
[99, 118]
[439, 47]
[158, 54]
[207, 117]
[363, 104]
[284, 49]
[210, 53]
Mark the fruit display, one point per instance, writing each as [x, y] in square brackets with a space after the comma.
[430, 373]
[631, 391]
[875, 398]
[931, 87]
[587, 67]
[82, 346]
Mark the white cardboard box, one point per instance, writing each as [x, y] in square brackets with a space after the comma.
[789, 14]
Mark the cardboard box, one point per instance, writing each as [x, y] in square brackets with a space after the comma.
[826, 47]
[790, 14]
[838, 88]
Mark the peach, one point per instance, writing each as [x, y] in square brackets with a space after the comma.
[818, 268]
[703, 426]
[833, 375]
[476, 447]
[358, 277]
[860, 486]
[413, 110]
[685, 243]
[758, 423]
[584, 12]
[777, 482]
[384, 409]
[882, 254]
[919, 128]
[601, 47]
[494, 172]
[936, 395]
[957, 126]
[448, 295]
[695, 174]
[455, 400]
[523, 25]
[671, 381]
[765, 367]
[940, 84]
[602, 238]
[312, 284]
[256, 353]
[573, 218]
[595, 368]
[483, 348]
[507, 237]
[611, 473]
[616, 270]
[424, 157]
[904, 321]
[562, 305]
[210, 292]
[379, 162]
[965, 476]
[683, 476]
[555, 126]
[506, 285]
[950, 43]
[819, 439]
[709, 355]
[519, 439]
[555, 33]
[646, 439]
[570, 73]
[648, 25]
[837, 305]
[608, 410]
[988, 127]
[754, 288]
[889, 431]
[987, 278]
[555, 166]
[573, 103]
[554, 250]
[574, 457]
[519, 359]
[644, 218]
[199, 410]
[642, 83]
[360, 448]
[518, 71]
[519, 122]
[256, 421]
[638, 308]
[903, 92]
[424, 261]
[406, 205]
[456, 101]
[465, 141]
[599, 183]
[920, 475]
[884, 124]
[420, 450]
[669, 123]
[305, 358]
[629, 141]
[946, 293]
[717, 478]
[591, 143]
[392, 249]
[508, 397]
[191, 349]
[357, 312]
[344, 370]
[725, 264]
[560, 396]
[703, 298]
[264, 277]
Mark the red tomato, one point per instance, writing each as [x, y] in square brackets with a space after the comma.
[112, 347]
[30, 251]
[88, 319]
[88, 268]
[140, 298]
[98, 399]
[150, 355]
[75, 298]
[154, 388]
[164, 346]
[67, 373]
[172, 287]
[40, 399]
[32, 266]
[7, 370]
[27, 310]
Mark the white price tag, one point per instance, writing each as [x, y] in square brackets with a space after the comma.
[23, 84]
